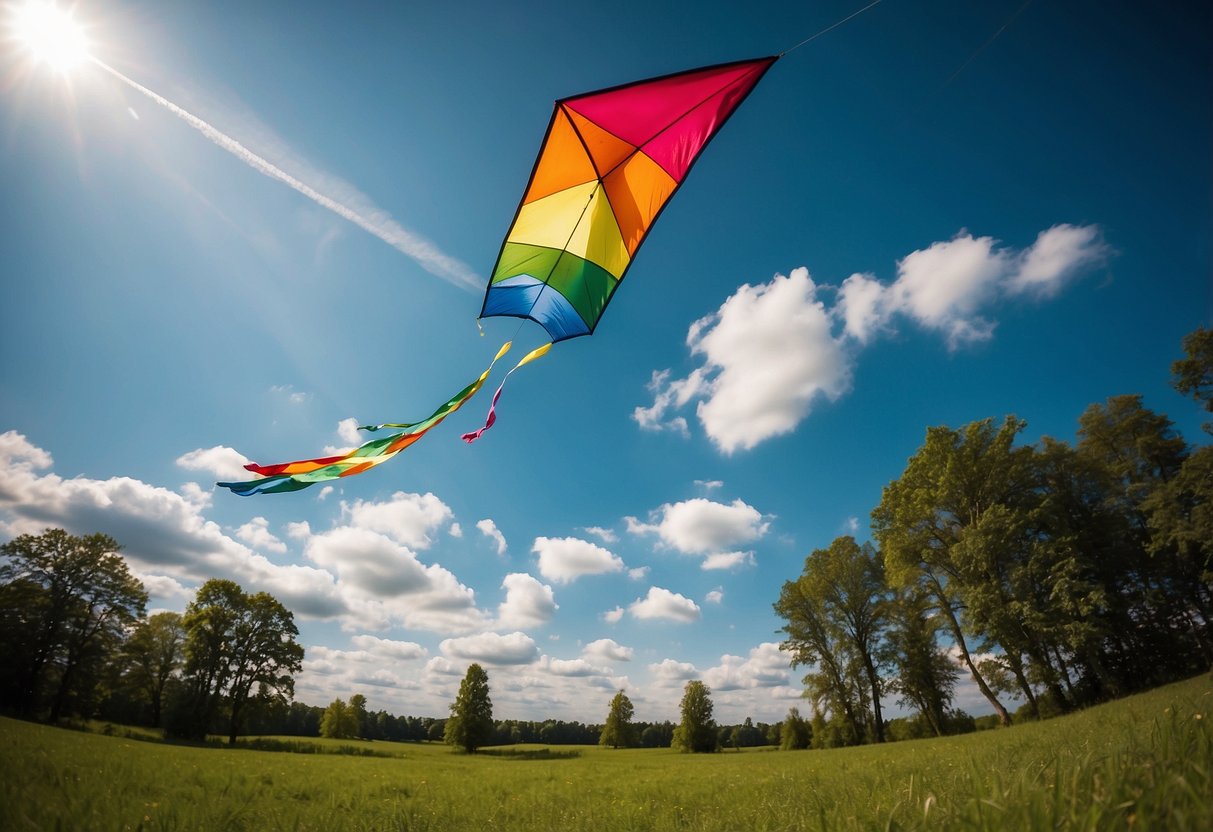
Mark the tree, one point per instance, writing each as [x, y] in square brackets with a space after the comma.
[339, 721]
[154, 653]
[697, 731]
[835, 616]
[235, 641]
[618, 729]
[925, 675]
[796, 732]
[1193, 376]
[65, 602]
[357, 706]
[471, 723]
[948, 525]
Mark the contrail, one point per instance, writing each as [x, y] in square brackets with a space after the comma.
[379, 224]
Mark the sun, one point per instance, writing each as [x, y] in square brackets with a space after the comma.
[51, 35]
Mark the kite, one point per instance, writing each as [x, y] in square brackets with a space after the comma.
[608, 165]
[294, 476]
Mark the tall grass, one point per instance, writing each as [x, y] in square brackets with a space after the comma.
[1142, 763]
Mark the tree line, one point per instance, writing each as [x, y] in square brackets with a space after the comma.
[1058, 574]
[75, 640]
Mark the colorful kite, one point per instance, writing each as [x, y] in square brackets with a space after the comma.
[610, 162]
[293, 476]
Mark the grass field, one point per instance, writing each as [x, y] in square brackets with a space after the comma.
[1141, 763]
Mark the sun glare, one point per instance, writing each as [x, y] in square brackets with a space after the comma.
[51, 35]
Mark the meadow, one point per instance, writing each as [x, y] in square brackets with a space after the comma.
[1145, 762]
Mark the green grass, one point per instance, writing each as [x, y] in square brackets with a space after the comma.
[1141, 763]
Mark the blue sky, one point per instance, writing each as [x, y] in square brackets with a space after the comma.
[899, 228]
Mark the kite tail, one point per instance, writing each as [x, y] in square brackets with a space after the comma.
[492, 417]
[293, 476]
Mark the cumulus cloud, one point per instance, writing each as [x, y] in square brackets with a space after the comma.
[256, 533]
[224, 463]
[716, 596]
[408, 519]
[709, 485]
[765, 667]
[605, 535]
[1057, 255]
[661, 603]
[299, 531]
[566, 559]
[528, 603]
[727, 560]
[608, 650]
[493, 648]
[639, 573]
[613, 616]
[389, 649]
[572, 667]
[347, 432]
[489, 529]
[770, 351]
[670, 671]
[455, 530]
[699, 526]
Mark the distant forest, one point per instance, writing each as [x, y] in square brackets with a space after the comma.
[1056, 574]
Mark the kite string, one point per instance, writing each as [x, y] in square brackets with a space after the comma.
[830, 28]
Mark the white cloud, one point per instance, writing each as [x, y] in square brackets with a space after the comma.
[613, 616]
[489, 529]
[163, 587]
[455, 530]
[226, 464]
[383, 648]
[639, 573]
[572, 667]
[766, 666]
[669, 395]
[408, 519]
[324, 492]
[159, 530]
[605, 535]
[299, 531]
[608, 650]
[347, 432]
[669, 671]
[661, 603]
[256, 533]
[196, 495]
[528, 603]
[699, 526]
[716, 596]
[727, 560]
[1055, 257]
[943, 285]
[771, 350]
[568, 558]
[710, 485]
[493, 648]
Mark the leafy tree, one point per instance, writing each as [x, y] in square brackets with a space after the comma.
[1193, 376]
[948, 526]
[925, 676]
[235, 641]
[471, 723]
[339, 721]
[65, 603]
[154, 654]
[835, 616]
[357, 706]
[796, 732]
[618, 730]
[697, 731]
